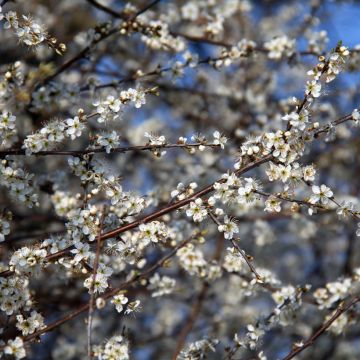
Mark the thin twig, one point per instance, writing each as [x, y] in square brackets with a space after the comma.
[237, 247]
[92, 285]
[106, 9]
[310, 341]
[123, 149]
[196, 309]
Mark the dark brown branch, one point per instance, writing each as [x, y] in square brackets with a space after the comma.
[189, 323]
[342, 308]
[103, 150]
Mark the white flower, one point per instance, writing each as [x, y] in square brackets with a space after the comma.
[15, 348]
[297, 120]
[356, 116]
[345, 209]
[30, 324]
[219, 139]
[153, 231]
[132, 307]
[254, 334]
[272, 204]
[196, 210]
[137, 96]
[113, 103]
[119, 301]
[100, 283]
[7, 120]
[229, 228]
[272, 172]
[81, 251]
[190, 11]
[74, 127]
[322, 194]
[108, 140]
[4, 228]
[284, 172]
[309, 173]
[246, 194]
[285, 293]
[11, 20]
[155, 140]
[109, 109]
[313, 88]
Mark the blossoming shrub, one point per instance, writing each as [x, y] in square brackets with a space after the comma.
[179, 180]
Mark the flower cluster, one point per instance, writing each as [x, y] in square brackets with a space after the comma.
[84, 223]
[243, 49]
[183, 191]
[100, 283]
[156, 140]
[280, 46]
[8, 129]
[64, 203]
[163, 39]
[154, 231]
[28, 325]
[15, 294]
[192, 260]
[333, 292]
[54, 133]
[30, 32]
[298, 120]
[28, 261]
[5, 225]
[161, 285]
[233, 261]
[99, 177]
[198, 349]
[290, 173]
[19, 183]
[116, 347]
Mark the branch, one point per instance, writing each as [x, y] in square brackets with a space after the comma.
[196, 309]
[107, 9]
[103, 150]
[92, 287]
[106, 295]
[340, 310]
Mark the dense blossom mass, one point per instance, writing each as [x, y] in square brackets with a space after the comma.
[179, 180]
